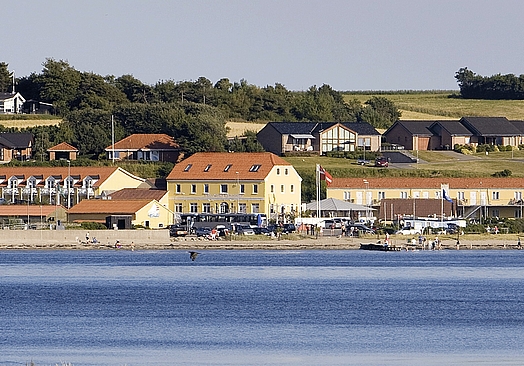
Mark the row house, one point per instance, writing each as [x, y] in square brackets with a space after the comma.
[16, 146]
[471, 197]
[445, 134]
[63, 185]
[318, 137]
[235, 183]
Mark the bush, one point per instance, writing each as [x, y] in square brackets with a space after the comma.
[93, 226]
[502, 174]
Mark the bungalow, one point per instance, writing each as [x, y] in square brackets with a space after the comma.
[15, 146]
[319, 137]
[38, 215]
[148, 147]
[62, 151]
[123, 214]
[11, 103]
[434, 135]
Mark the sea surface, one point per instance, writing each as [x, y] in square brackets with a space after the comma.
[262, 308]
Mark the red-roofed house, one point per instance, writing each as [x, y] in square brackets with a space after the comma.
[148, 147]
[63, 151]
[235, 182]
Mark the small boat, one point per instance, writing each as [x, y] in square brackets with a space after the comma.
[379, 247]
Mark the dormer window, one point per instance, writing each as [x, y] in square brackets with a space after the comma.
[254, 168]
[188, 167]
[31, 182]
[13, 182]
[207, 167]
[226, 169]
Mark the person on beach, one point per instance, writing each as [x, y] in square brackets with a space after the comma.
[518, 243]
[386, 241]
[87, 237]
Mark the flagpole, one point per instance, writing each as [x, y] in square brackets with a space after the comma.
[317, 180]
[441, 206]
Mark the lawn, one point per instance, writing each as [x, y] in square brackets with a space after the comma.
[432, 105]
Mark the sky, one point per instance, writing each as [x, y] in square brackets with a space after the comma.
[350, 45]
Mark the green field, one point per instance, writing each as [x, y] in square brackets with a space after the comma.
[429, 105]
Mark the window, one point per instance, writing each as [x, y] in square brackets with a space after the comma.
[193, 188]
[242, 188]
[347, 195]
[206, 207]
[242, 208]
[31, 182]
[254, 168]
[272, 189]
[278, 171]
[281, 188]
[518, 195]
[495, 195]
[460, 195]
[286, 171]
[381, 195]
[178, 189]
[518, 214]
[178, 207]
[223, 188]
[207, 167]
[255, 188]
[13, 182]
[495, 212]
[188, 167]
[404, 195]
[255, 208]
[228, 166]
[193, 207]
[206, 188]
[292, 188]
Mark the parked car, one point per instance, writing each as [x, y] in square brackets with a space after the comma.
[262, 231]
[408, 230]
[382, 161]
[203, 231]
[288, 228]
[177, 230]
[244, 230]
[361, 228]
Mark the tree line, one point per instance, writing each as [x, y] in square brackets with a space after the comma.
[473, 86]
[193, 112]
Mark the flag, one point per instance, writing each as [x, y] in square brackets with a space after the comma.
[324, 175]
[446, 196]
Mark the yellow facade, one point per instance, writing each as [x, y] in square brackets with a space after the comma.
[153, 215]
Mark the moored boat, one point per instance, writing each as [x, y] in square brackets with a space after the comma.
[379, 247]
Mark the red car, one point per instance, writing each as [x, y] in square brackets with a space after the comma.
[382, 161]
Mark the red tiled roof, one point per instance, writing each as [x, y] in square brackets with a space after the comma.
[63, 146]
[113, 207]
[212, 166]
[31, 210]
[138, 193]
[430, 183]
[149, 141]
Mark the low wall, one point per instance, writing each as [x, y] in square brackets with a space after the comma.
[71, 237]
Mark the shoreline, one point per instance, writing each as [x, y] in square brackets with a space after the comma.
[294, 242]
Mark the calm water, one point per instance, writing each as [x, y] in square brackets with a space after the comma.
[262, 308]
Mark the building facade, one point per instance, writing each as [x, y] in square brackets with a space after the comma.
[472, 197]
[235, 183]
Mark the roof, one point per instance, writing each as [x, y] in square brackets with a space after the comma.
[453, 127]
[519, 125]
[138, 193]
[63, 146]
[101, 172]
[112, 207]
[224, 166]
[146, 141]
[490, 126]
[414, 127]
[308, 128]
[16, 140]
[6, 96]
[31, 210]
[332, 204]
[428, 183]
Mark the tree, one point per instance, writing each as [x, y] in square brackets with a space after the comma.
[134, 89]
[380, 112]
[6, 78]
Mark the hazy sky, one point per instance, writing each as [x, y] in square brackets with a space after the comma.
[350, 45]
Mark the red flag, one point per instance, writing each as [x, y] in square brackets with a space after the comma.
[324, 175]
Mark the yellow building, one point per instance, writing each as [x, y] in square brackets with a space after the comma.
[235, 183]
[123, 213]
[473, 197]
[65, 185]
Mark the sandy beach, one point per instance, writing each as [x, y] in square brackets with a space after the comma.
[159, 239]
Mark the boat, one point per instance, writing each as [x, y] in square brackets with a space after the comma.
[379, 247]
